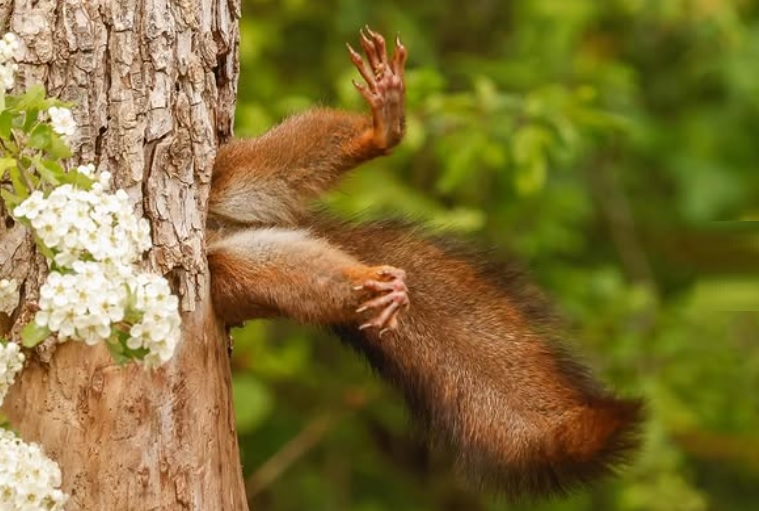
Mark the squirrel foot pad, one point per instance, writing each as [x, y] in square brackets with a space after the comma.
[384, 89]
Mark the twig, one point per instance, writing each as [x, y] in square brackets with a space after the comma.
[296, 448]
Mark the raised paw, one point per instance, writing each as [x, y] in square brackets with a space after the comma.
[384, 89]
[392, 297]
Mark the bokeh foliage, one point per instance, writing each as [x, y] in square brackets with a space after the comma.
[613, 147]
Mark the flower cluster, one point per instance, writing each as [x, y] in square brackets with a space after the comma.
[29, 480]
[8, 47]
[95, 292]
[159, 328]
[11, 362]
[87, 224]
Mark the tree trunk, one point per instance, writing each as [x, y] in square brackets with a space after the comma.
[154, 84]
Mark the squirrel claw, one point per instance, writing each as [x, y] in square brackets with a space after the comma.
[384, 87]
[393, 298]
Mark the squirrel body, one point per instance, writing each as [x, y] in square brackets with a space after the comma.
[482, 371]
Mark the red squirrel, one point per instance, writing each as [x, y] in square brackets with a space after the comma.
[484, 375]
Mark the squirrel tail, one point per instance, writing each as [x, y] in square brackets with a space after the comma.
[587, 444]
[485, 377]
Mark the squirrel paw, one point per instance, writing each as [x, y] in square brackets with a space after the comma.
[384, 89]
[391, 283]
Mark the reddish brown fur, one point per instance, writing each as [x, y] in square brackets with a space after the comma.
[476, 357]
[273, 271]
[486, 377]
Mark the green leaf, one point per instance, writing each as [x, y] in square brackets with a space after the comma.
[31, 118]
[528, 142]
[33, 99]
[116, 349]
[121, 353]
[19, 185]
[41, 137]
[51, 166]
[33, 334]
[458, 167]
[138, 354]
[531, 176]
[58, 148]
[529, 146]
[50, 174]
[6, 123]
[44, 250]
[74, 178]
[6, 163]
[11, 200]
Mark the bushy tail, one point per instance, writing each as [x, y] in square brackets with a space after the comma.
[592, 442]
[486, 379]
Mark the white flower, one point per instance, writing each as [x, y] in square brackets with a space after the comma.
[86, 170]
[8, 74]
[8, 295]
[159, 330]
[31, 207]
[63, 121]
[29, 480]
[8, 46]
[104, 179]
[11, 362]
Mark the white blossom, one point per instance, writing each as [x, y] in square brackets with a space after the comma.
[8, 295]
[95, 291]
[8, 74]
[8, 46]
[29, 480]
[11, 362]
[63, 121]
[86, 170]
[159, 329]
[80, 224]
[82, 304]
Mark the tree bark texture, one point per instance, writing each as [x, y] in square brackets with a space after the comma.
[153, 83]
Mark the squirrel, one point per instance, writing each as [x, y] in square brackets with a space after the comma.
[484, 374]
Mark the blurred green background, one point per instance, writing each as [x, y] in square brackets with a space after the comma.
[613, 147]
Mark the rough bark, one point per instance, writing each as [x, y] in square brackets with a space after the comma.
[154, 84]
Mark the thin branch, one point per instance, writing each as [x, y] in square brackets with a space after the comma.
[296, 448]
[616, 207]
[308, 438]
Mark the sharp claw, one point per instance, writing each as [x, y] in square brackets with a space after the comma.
[365, 37]
[375, 35]
[355, 56]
